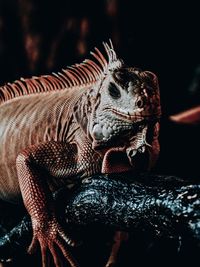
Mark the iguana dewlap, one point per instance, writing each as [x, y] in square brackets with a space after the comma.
[98, 116]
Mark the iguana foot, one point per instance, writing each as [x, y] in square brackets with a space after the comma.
[52, 239]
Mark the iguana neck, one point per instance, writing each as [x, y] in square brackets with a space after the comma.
[83, 110]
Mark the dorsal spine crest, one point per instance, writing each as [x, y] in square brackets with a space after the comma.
[86, 73]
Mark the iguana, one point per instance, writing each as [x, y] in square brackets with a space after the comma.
[99, 116]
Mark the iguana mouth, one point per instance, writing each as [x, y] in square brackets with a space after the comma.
[127, 116]
[135, 117]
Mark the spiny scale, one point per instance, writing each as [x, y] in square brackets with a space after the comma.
[83, 74]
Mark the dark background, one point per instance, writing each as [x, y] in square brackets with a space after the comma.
[41, 36]
[37, 37]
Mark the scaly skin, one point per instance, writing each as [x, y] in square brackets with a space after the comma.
[73, 124]
[37, 163]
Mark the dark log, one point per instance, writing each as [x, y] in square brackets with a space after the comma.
[162, 206]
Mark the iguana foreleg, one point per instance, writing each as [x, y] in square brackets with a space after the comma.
[34, 165]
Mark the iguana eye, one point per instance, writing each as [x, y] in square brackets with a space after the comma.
[114, 91]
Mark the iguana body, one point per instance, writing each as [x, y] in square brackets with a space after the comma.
[42, 119]
[91, 118]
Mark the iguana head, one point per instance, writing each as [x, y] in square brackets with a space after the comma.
[124, 108]
[127, 114]
[128, 100]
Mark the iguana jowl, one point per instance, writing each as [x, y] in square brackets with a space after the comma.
[90, 118]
